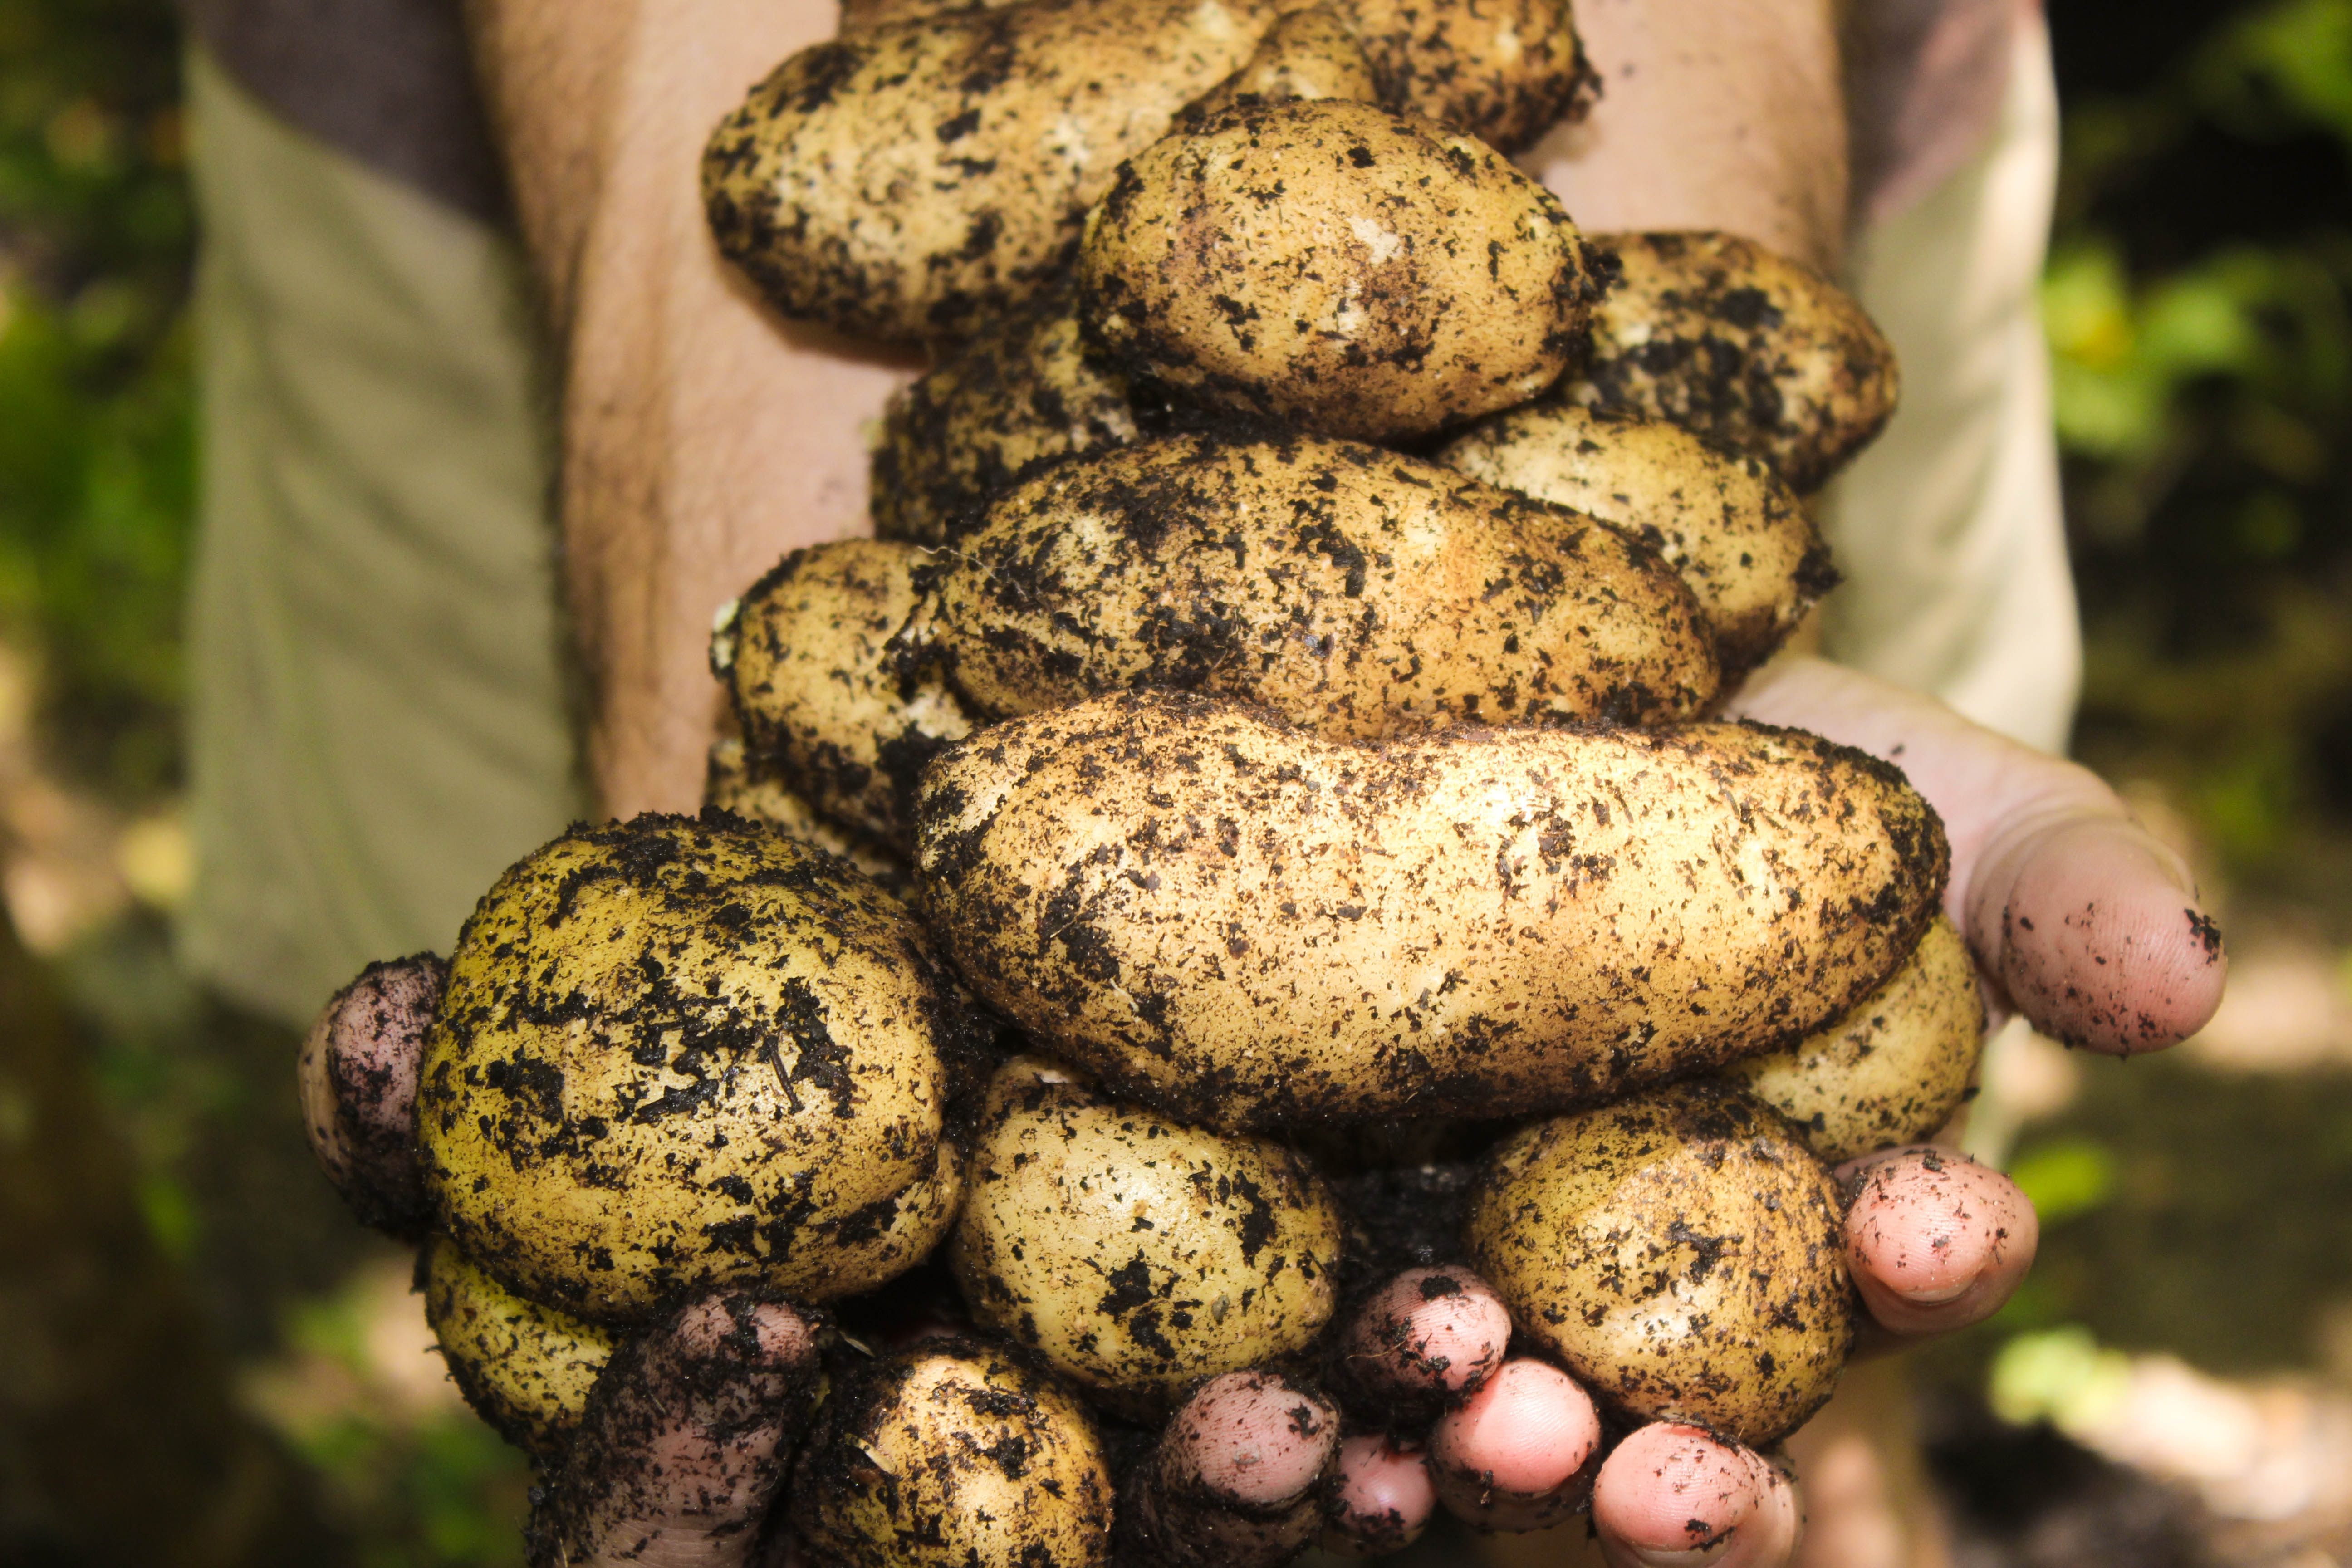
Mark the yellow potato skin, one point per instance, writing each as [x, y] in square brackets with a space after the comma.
[679, 1053]
[1137, 1255]
[1680, 1251]
[1893, 1072]
[824, 706]
[1505, 71]
[526, 1369]
[908, 180]
[1746, 347]
[1308, 54]
[1739, 537]
[1409, 277]
[733, 782]
[1358, 593]
[1247, 927]
[953, 1454]
[1024, 390]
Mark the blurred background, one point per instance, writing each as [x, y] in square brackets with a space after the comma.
[2174, 1386]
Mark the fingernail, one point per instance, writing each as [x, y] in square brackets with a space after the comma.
[1935, 1295]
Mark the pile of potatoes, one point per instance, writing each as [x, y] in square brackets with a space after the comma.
[1274, 716]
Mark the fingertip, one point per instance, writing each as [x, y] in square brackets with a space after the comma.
[1672, 1494]
[1383, 1499]
[1255, 1439]
[1433, 1328]
[1527, 1432]
[1936, 1241]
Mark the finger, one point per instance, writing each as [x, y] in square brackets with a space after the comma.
[2090, 927]
[357, 1077]
[1672, 1497]
[684, 1446]
[1236, 1479]
[1520, 1453]
[1383, 1500]
[1934, 1240]
[1425, 1339]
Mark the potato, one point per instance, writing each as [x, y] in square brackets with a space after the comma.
[824, 707]
[1751, 349]
[733, 782]
[1023, 392]
[1356, 591]
[953, 1454]
[678, 1053]
[1245, 927]
[905, 181]
[1308, 54]
[1135, 1255]
[1738, 536]
[1680, 1252]
[1505, 71]
[1408, 277]
[1894, 1071]
[526, 1369]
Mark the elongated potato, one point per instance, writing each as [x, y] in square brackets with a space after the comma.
[678, 1053]
[1356, 591]
[1245, 927]
[1136, 1254]
[1751, 349]
[1023, 392]
[1725, 522]
[1407, 277]
[825, 707]
[732, 781]
[1681, 1252]
[904, 182]
[953, 1454]
[526, 1369]
[1894, 1071]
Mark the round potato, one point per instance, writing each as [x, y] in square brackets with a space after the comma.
[1724, 521]
[952, 1453]
[733, 782]
[1680, 1252]
[1023, 392]
[1245, 927]
[1408, 278]
[907, 181]
[678, 1053]
[1356, 591]
[1308, 54]
[1893, 1072]
[1505, 71]
[1751, 349]
[1135, 1255]
[526, 1369]
[826, 709]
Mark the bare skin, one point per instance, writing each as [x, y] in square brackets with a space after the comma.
[703, 438]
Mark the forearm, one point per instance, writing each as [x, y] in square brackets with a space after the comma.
[701, 438]
[1712, 115]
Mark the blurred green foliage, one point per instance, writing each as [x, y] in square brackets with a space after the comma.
[95, 402]
[2198, 302]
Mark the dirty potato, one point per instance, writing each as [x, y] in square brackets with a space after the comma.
[1680, 1252]
[1738, 536]
[953, 1454]
[904, 182]
[1024, 391]
[1504, 72]
[1894, 1071]
[824, 707]
[526, 1369]
[677, 1053]
[1136, 1254]
[1245, 927]
[1408, 278]
[732, 781]
[1356, 591]
[1308, 54]
[1751, 349]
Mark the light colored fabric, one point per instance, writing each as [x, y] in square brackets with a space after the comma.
[378, 723]
[1949, 528]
